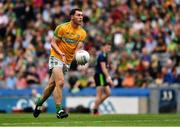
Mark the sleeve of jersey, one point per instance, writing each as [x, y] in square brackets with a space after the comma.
[58, 32]
[83, 38]
[101, 58]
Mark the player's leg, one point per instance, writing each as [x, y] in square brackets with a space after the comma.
[107, 93]
[99, 80]
[99, 92]
[57, 93]
[47, 92]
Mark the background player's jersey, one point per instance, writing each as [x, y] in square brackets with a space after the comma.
[101, 58]
[68, 40]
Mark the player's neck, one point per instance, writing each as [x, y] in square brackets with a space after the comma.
[74, 25]
[104, 52]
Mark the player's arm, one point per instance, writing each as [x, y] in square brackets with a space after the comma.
[104, 69]
[57, 39]
[105, 72]
[80, 46]
[55, 46]
[80, 43]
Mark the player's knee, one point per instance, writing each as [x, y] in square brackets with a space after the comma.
[60, 83]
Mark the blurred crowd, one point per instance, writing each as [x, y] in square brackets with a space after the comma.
[145, 36]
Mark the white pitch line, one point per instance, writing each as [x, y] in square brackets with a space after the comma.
[30, 124]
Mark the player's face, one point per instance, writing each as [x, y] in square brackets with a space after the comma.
[108, 48]
[78, 17]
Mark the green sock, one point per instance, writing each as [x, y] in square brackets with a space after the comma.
[58, 108]
[39, 101]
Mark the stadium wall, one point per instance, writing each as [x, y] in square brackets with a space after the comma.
[122, 101]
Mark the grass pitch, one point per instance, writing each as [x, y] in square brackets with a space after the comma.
[90, 120]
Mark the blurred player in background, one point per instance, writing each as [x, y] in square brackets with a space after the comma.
[68, 38]
[102, 77]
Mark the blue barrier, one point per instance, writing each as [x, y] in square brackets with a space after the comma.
[82, 92]
[114, 92]
[22, 98]
[23, 92]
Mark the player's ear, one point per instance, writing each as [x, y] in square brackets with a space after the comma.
[72, 17]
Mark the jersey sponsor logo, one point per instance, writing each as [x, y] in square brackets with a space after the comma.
[78, 36]
[70, 41]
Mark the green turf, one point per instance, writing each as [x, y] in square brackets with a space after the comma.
[89, 120]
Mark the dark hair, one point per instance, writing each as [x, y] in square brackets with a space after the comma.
[106, 43]
[73, 11]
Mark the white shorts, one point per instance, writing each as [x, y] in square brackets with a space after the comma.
[54, 62]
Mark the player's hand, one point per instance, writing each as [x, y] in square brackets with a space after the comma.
[82, 63]
[63, 57]
[109, 80]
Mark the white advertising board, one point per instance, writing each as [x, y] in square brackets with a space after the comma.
[113, 105]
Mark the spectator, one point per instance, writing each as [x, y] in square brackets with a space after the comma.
[32, 77]
[11, 80]
[85, 79]
[155, 66]
[161, 45]
[2, 73]
[3, 21]
[142, 80]
[168, 71]
[21, 82]
[129, 79]
[138, 29]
